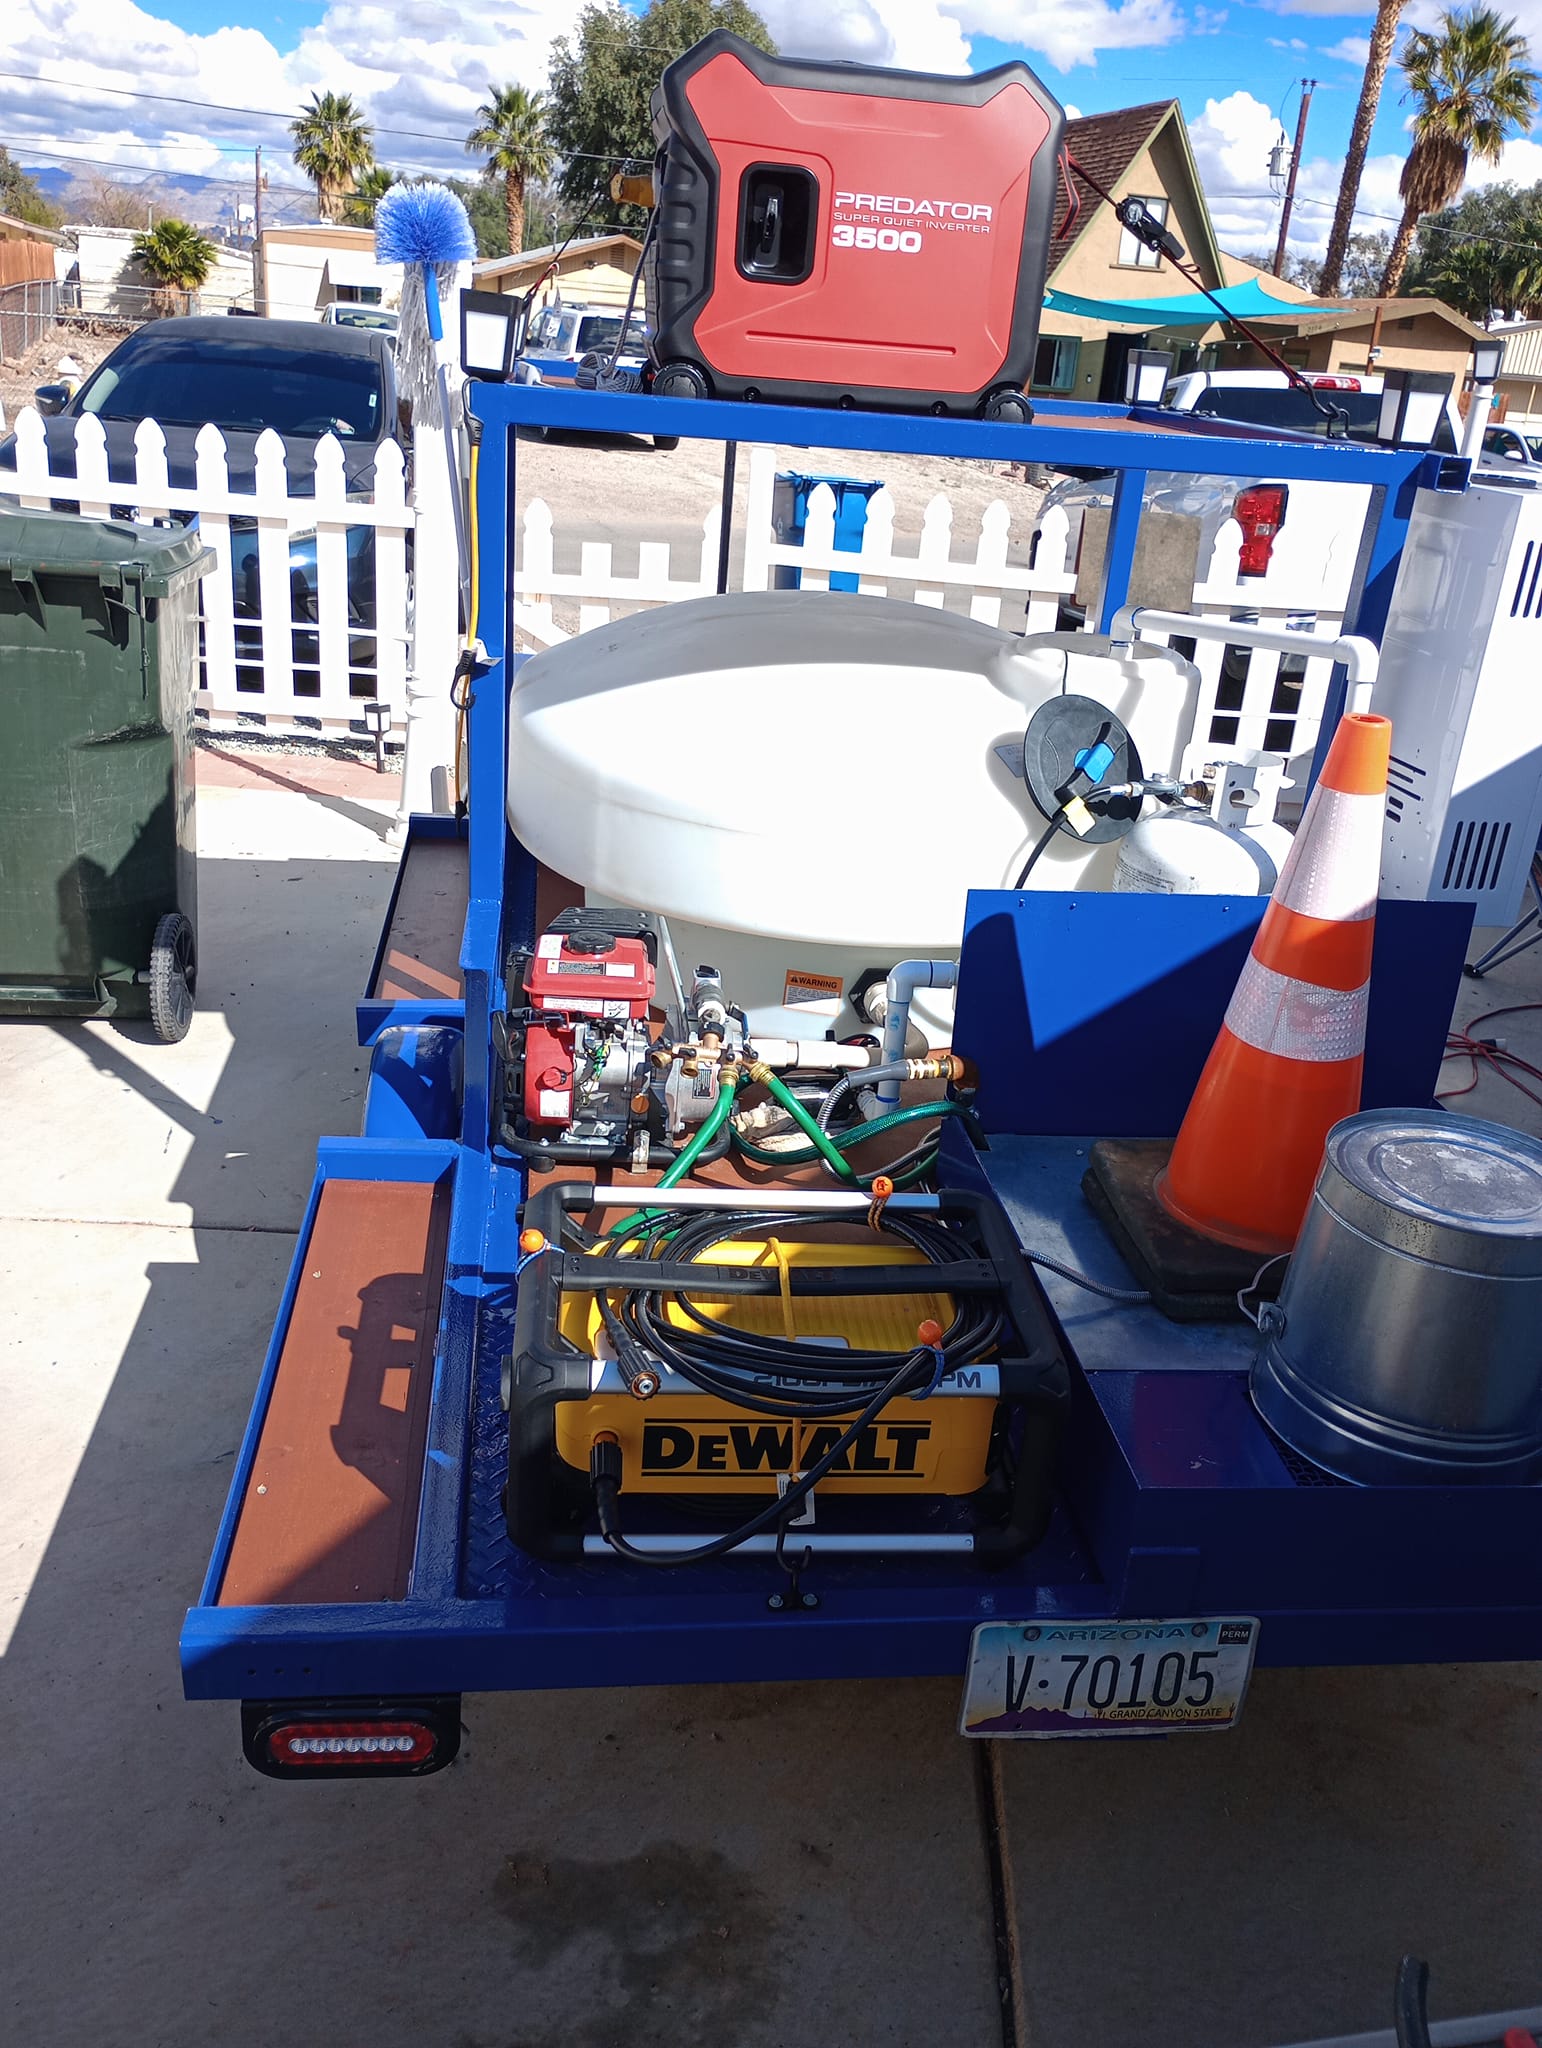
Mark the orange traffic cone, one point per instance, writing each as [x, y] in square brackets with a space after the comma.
[1286, 1066]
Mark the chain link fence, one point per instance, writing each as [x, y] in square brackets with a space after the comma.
[27, 312]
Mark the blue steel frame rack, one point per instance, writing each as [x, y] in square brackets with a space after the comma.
[480, 1616]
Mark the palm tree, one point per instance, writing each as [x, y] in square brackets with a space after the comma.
[332, 144]
[511, 134]
[1474, 88]
[1383, 35]
[370, 187]
[178, 257]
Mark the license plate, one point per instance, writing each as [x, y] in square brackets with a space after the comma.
[1046, 1679]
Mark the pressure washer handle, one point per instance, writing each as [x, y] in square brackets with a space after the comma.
[431, 304]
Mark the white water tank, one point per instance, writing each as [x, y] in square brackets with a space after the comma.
[813, 766]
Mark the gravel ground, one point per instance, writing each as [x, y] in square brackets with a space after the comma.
[20, 378]
[620, 489]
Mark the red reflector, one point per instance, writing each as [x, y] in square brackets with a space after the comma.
[319, 1744]
[1335, 383]
[1260, 512]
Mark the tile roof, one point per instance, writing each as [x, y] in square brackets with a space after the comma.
[1107, 144]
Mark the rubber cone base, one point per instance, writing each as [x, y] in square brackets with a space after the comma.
[1191, 1279]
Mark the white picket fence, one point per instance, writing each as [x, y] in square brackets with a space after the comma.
[1243, 703]
[280, 648]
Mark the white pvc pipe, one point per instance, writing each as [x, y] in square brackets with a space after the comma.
[1480, 408]
[746, 1198]
[904, 979]
[799, 1540]
[1358, 656]
[814, 1055]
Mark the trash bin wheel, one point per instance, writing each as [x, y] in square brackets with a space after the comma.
[173, 977]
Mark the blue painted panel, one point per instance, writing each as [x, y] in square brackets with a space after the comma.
[1097, 1012]
[414, 1085]
[1064, 437]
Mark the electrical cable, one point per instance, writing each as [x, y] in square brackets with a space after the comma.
[1166, 243]
[778, 1376]
[607, 1486]
[1039, 847]
[1465, 1044]
[631, 297]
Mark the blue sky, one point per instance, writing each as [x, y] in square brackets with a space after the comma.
[421, 66]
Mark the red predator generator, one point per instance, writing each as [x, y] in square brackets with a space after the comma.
[840, 234]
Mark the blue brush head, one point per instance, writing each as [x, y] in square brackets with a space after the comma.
[422, 224]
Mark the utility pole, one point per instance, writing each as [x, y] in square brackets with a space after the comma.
[257, 200]
[1308, 87]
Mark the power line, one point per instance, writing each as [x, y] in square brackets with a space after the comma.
[214, 106]
[1426, 226]
[269, 114]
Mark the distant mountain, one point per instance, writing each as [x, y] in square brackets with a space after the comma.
[206, 202]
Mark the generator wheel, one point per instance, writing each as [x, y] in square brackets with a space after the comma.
[666, 444]
[680, 380]
[173, 977]
[1007, 405]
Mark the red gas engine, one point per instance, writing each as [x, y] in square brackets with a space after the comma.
[840, 234]
[589, 984]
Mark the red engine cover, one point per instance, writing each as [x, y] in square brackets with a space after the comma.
[567, 975]
[549, 1074]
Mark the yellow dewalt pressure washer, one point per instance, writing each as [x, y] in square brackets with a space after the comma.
[724, 1356]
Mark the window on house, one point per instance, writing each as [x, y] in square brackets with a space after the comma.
[1134, 253]
[357, 294]
[1054, 362]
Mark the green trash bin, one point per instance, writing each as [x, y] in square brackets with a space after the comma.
[98, 666]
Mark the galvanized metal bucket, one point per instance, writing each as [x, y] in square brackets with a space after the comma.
[1406, 1345]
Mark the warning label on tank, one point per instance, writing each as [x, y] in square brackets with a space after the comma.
[816, 992]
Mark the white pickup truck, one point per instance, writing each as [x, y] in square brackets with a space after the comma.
[1253, 398]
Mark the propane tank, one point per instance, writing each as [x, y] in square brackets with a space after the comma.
[1233, 849]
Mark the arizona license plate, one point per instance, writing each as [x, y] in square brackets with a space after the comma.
[1044, 1679]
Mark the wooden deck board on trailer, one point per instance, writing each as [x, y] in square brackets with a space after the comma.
[420, 961]
[331, 1507]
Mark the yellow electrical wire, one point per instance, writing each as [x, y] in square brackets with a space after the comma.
[473, 621]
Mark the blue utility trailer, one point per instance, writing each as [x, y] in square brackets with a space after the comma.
[362, 1576]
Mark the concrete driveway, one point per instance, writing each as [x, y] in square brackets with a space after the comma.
[759, 1865]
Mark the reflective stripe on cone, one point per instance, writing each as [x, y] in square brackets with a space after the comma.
[1287, 1063]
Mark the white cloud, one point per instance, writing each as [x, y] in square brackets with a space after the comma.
[933, 35]
[1521, 164]
[1293, 43]
[1071, 32]
[911, 35]
[1072, 113]
[1350, 49]
[423, 66]
[1322, 7]
[1232, 139]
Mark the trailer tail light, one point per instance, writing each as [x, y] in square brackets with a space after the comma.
[350, 1738]
[319, 1744]
[1335, 383]
[1260, 512]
